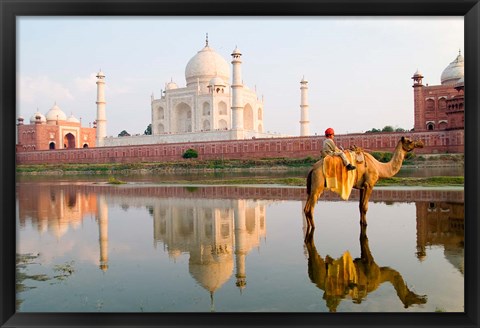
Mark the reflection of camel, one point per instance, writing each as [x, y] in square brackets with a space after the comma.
[367, 174]
[355, 278]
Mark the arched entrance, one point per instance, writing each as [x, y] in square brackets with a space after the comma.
[183, 118]
[69, 140]
[51, 145]
[248, 118]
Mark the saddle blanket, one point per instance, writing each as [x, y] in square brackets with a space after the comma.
[337, 178]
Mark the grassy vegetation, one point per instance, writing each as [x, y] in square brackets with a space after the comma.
[428, 182]
[113, 180]
[218, 164]
[184, 165]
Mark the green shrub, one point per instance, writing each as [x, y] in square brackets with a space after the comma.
[409, 156]
[190, 153]
[115, 181]
[383, 157]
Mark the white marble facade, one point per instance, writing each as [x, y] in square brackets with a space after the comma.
[204, 104]
[202, 109]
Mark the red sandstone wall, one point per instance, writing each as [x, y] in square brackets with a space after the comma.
[293, 147]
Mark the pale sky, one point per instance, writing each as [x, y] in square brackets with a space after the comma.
[359, 69]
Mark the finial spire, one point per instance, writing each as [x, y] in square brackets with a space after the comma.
[206, 41]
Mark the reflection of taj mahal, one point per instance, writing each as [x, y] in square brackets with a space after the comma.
[218, 234]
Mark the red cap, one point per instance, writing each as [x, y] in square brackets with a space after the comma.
[329, 131]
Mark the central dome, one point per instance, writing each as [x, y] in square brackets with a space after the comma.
[55, 114]
[454, 71]
[205, 65]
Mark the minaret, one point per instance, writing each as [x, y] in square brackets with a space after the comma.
[419, 100]
[240, 243]
[101, 116]
[237, 91]
[304, 122]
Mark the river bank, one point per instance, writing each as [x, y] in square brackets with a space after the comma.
[197, 166]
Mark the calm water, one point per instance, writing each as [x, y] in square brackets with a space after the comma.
[92, 247]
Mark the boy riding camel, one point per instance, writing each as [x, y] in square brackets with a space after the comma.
[329, 148]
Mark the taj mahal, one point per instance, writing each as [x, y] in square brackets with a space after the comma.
[215, 105]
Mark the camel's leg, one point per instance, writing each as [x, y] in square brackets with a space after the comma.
[363, 205]
[316, 188]
[309, 235]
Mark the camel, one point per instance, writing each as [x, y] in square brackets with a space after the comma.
[355, 278]
[367, 174]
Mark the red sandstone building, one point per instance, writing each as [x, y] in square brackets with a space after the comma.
[440, 107]
[53, 131]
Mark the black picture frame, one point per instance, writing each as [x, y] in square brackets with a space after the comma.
[10, 9]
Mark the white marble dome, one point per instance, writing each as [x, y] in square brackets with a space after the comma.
[217, 81]
[211, 273]
[33, 118]
[454, 71]
[73, 119]
[55, 113]
[460, 84]
[171, 86]
[205, 65]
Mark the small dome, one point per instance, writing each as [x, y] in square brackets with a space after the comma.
[171, 85]
[205, 65]
[73, 119]
[217, 81]
[236, 51]
[417, 74]
[454, 71]
[55, 113]
[33, 118]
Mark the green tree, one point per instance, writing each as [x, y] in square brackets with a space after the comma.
[124, 133]
[148, 131]
[387, 128]
[190, 153]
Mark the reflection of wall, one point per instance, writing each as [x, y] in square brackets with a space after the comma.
[54, 208]
[270, 193]
[441, 223]
[216, 233]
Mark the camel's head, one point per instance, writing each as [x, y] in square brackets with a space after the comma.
[409, 144]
